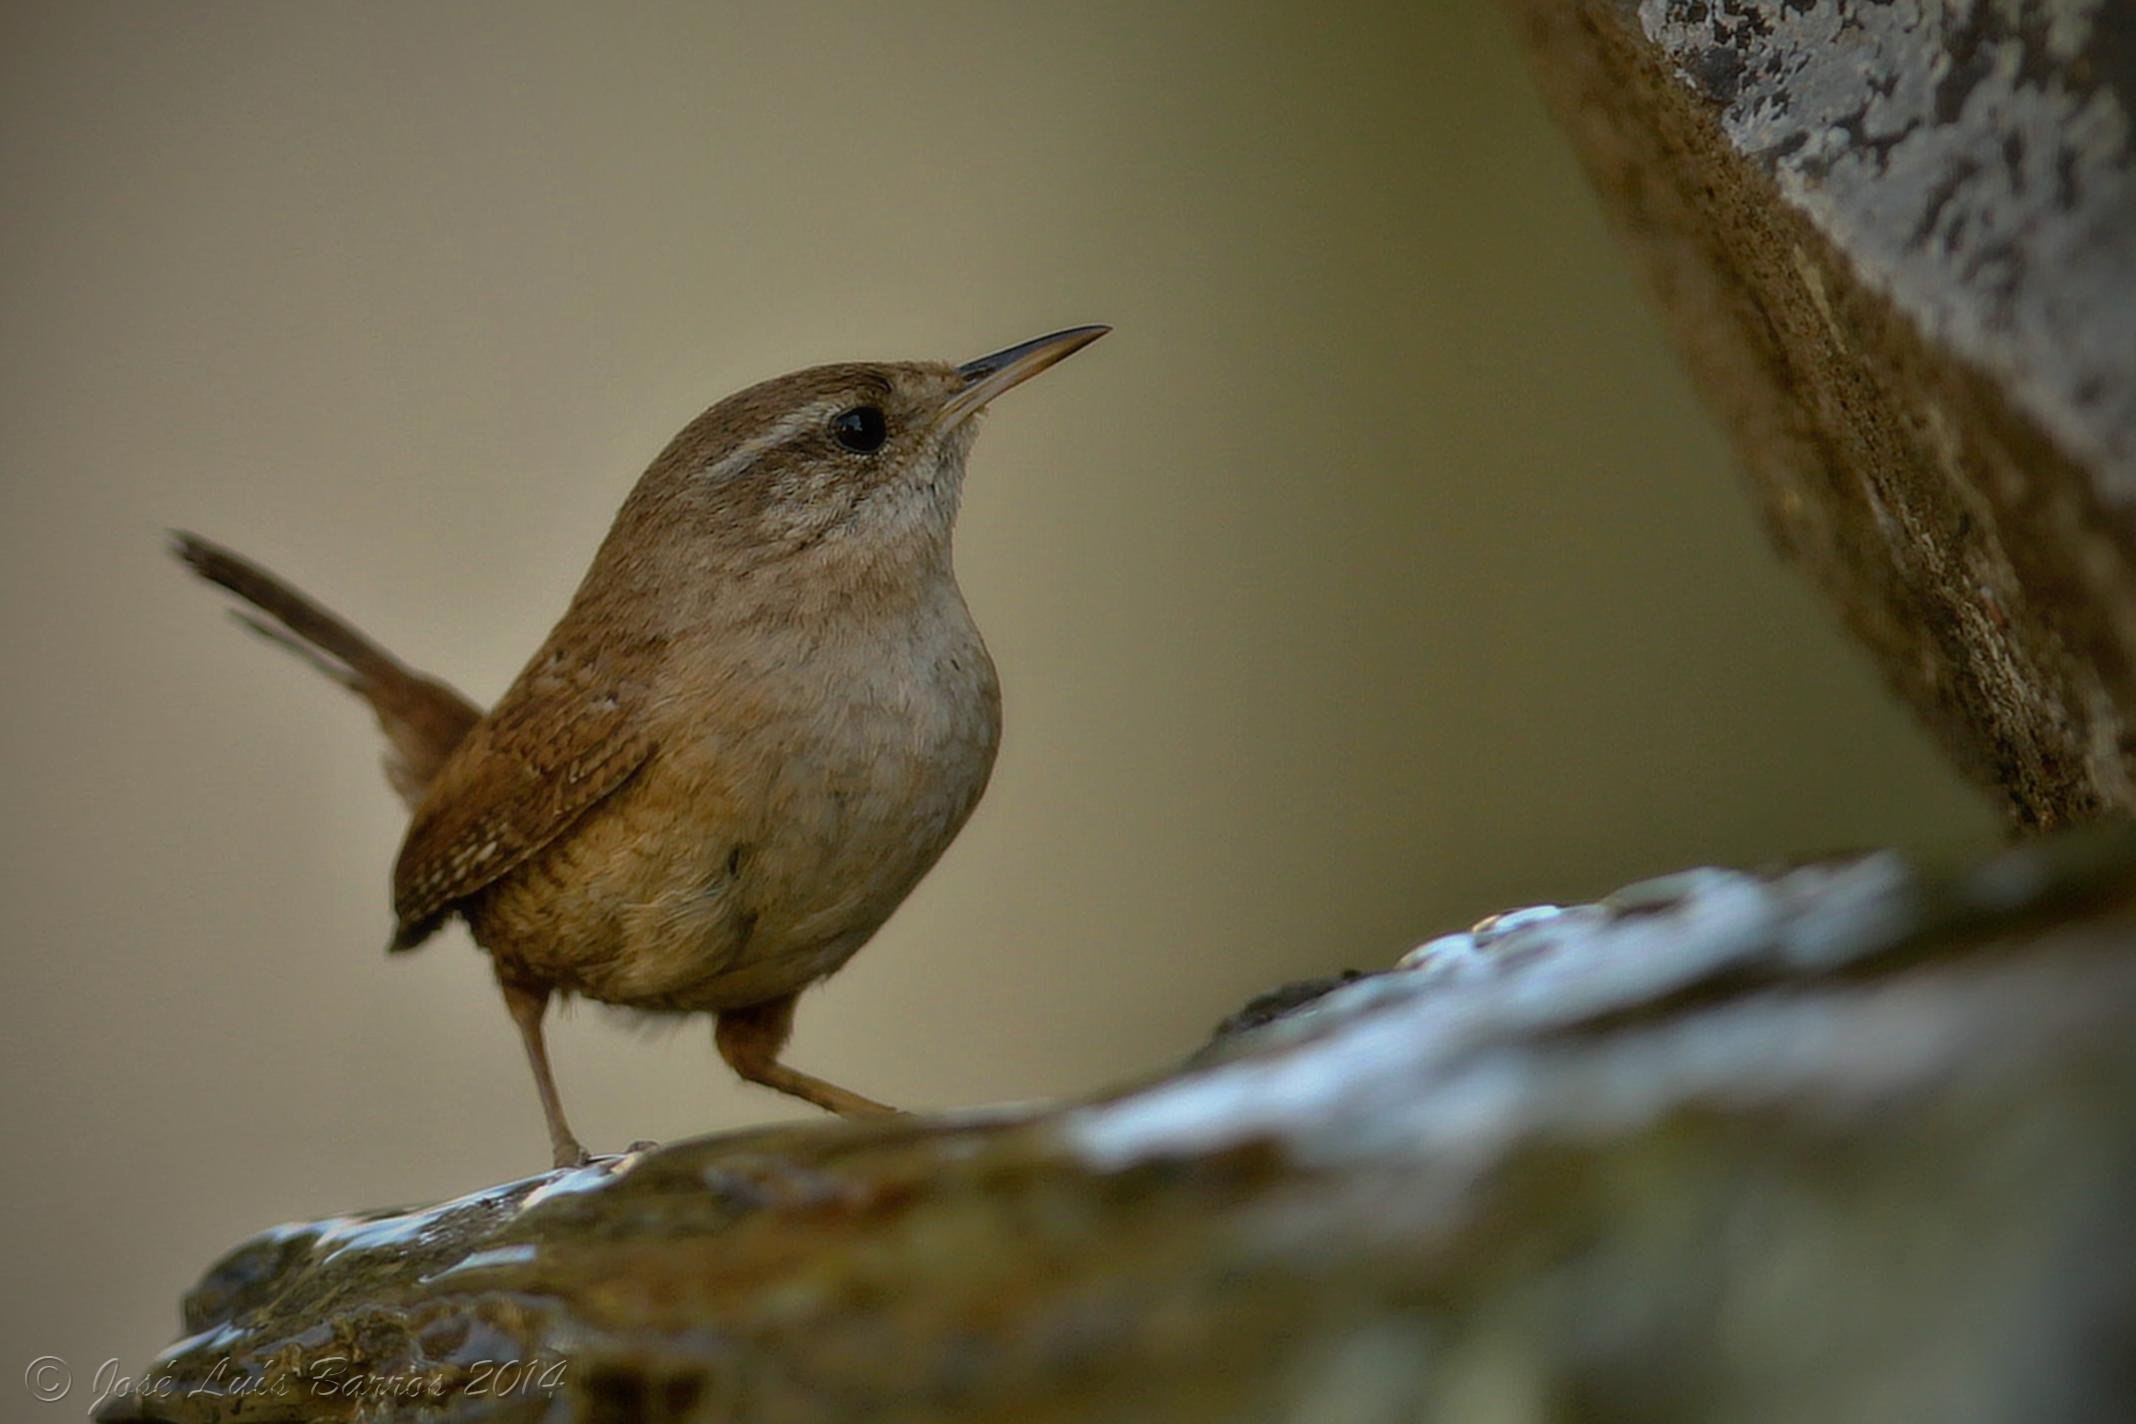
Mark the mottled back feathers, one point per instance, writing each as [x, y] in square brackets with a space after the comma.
[568, 733]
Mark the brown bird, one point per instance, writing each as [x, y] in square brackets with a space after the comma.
[764, 716]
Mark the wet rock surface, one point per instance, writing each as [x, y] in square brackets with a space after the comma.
[1896, 244]
[1851, 1140]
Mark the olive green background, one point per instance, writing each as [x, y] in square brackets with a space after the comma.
[1378, 572]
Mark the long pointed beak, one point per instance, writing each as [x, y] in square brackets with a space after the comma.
[989, 376]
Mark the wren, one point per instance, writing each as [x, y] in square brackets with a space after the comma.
[762, 719]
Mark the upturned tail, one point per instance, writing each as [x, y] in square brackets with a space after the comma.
[422, 718]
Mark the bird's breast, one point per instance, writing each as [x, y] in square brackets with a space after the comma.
[798, 794]
[868, 764]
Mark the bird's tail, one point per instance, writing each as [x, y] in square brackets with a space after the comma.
[422, 718]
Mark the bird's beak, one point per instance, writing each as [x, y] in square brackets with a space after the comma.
[989, 376]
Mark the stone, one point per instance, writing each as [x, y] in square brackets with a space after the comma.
[1852, 1140]
[1896, 245]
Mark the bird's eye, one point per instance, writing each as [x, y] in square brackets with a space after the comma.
[860, 429]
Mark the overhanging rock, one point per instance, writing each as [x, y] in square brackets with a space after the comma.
[1896, 243]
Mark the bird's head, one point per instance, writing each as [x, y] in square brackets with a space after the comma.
[856, 461]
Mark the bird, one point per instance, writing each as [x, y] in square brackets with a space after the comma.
[763, 717]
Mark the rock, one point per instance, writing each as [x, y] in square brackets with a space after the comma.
[1282, 1001]
[1854, 1140]
[1896, 243]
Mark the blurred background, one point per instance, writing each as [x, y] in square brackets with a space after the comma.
[1379, 572]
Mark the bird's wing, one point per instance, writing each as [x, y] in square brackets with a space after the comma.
[568, 733]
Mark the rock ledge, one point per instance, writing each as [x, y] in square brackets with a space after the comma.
[1849, 1140]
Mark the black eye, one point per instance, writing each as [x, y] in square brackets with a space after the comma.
[860, 429]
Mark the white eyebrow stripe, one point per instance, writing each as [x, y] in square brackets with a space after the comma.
[788, 426]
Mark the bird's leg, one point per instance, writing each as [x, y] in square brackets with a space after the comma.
[527, 1004]
[750, 1040]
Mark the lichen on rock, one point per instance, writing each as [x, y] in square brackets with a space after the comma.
[1896, 244]
[1850, 1139]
